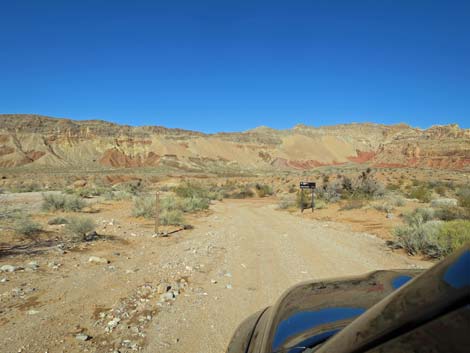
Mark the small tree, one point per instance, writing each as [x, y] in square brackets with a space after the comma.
[27, 227]
[79, 227]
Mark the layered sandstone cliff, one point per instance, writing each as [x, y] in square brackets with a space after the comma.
[42, 141]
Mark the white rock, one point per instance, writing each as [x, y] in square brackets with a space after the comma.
[33, 312]
[114, 322]
[98, 260]
[82, 337]
[228, 286]
[167, 297]
[9, 268]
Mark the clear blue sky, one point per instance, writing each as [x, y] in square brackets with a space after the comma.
[233, 65]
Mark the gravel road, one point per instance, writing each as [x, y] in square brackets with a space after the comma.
[184, 293]
[259, 252]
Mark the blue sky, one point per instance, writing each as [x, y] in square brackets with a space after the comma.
[234, 65]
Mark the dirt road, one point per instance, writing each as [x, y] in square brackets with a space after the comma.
[235, 261]
[265, 251]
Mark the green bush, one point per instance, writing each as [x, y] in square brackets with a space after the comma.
[244, 193]
[419, 215]
[422, 193]
[26, 188]
[171, 217]
[263, 190]
[25, 226]
[450, 213]
[329, 192]
[303, 199]
[441, 190]
[418, 236]
[396, 200]
[384, 207]
[463, 195]
[87, 192]
[117, 195]
[188, 189]
[452, 235]
[133, 188]
[144, 207]
[57, 221]
[320, 204]
[193, 204]
[79, 227]
[286, 202]
[393, 187]
[432, 238]
[59, 202]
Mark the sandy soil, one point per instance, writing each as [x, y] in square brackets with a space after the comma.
[236, 260]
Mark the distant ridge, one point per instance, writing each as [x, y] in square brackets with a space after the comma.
[36, 140]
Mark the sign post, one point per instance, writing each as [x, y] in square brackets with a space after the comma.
[308, 185]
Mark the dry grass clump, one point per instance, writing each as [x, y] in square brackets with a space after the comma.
[59, 202]
[172, 208]
[79, 227]
[25, 226]
[263, 190]
[144, 207]
[434, 238]
[287, 202]
[57, 221]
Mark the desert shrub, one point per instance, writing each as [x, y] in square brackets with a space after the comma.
[419, 215]
[451, 236]
[443, 202]
[244, 193]
[303, 199]
[263, 190]
[117, 195]
[144, 207]
[396, 200]
[384, 207]
[215, 195]
[441, 190]
[418, 236]
[57, 221]
[330, 192]
[25, 226]
[79, 227]
[92, 191]
[320, 204]
[421, 193]
[134, 188]
[193, 204]
[59, 202]
[171, 217]
[292, 189]
[286, 202]
[450, 213]
[352, 204]
[393, 187]
[463, 195]
[368, 188]
[187, 189]
[20, 188]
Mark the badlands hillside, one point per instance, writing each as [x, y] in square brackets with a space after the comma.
[33, 140]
